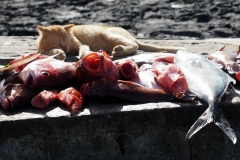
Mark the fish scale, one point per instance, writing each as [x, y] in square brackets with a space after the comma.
[209, 83]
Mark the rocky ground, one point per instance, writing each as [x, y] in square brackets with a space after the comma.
[165, 19]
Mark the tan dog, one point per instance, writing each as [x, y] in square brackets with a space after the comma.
[80, 39]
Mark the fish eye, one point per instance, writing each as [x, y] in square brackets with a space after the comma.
[45, 73]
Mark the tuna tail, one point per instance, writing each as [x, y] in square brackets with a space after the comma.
[154, 48]
[216, 117]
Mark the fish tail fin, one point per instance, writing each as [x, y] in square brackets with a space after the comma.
[202, 121]
[216, 117]
[222, 123]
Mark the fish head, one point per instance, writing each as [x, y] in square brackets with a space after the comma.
[39, 77]
[15, 95]
[38, 74]
[47, 73]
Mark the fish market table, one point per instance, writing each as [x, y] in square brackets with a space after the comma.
[108, 129]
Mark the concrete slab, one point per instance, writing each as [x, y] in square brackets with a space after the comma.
[114, 129]
[235, 41]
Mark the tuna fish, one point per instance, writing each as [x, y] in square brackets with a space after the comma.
[209, 83]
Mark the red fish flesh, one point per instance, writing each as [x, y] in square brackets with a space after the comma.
[95, 65]
[171, 77]
[147, 78]
[71, 98]
[127, 69]
[44, 98]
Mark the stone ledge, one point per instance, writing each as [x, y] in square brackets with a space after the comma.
[107, 129]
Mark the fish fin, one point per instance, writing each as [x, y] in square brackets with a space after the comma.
[222, 123]
[202, 121]
[52, 57]
[222, 48]
[218, 118]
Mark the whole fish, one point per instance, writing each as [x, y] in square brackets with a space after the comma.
[127, 90]
[209, 83]
[228, 61]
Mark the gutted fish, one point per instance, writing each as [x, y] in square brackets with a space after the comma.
[127, 69]
[209, 83]
[95, 65]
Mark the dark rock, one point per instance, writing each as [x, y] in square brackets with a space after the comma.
[190, 33]
[183, 15]
[202, 17]
[151, 14]
[17, 16]
[223, 32]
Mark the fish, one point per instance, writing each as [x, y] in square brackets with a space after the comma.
[95, 65]
[127, 69]
[47, 73]
[19, 63]
[126, 90]
[227, 61]
[12, 78]
[140, 59]
[208, 82]
[15, 95]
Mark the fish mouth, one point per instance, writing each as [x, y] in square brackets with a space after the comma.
[92, 61]
[30, 80]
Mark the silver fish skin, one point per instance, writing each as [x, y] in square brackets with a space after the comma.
[209, 83]
[143, 58]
